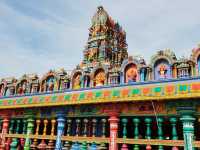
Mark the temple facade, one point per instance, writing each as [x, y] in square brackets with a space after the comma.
[111, 100]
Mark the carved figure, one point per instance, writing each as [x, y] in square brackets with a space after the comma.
[50, 85]
[162, 71]
[77, 82]
[2, 89]
[131, 75]
[100, 79]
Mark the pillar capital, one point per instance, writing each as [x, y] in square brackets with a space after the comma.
[186, 110]
[187, 119]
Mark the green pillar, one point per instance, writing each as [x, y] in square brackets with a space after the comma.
[188, 131]
[11, 131]
[148, 122]
[160, 132]
[84, 146]
[124, 123]
[136, 122]
[30, 127]
[15, 141]
[187, 120]
[173, 122]
[22, 140]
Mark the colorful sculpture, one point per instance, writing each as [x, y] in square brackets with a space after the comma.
[131, 74]
[77, 82]
[162, 71]
[100, 79]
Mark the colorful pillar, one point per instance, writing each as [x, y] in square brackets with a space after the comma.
[187, 120]
[4, 131]
[102, 146]
[93, 146]
[11, 130]
[113, 131]
[160, 132]
[22, 140]
[14, 144]
[30, 127]
[124, 123]
[188, 131]
[84, 146]
[60, 130]
[136, 122]
[43, 145]
[173, 122]
[94, 125]
[35, 141]
[148, 122]
[67, 144]
[85, 122]
[78, 121]
[51, 142]
[103, 121]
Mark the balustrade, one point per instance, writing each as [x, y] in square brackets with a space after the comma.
[146, 133]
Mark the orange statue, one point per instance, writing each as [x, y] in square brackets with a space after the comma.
[100, 79]
[77, 82]
[131, 75]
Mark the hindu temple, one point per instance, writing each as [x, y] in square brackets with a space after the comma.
[110, 101]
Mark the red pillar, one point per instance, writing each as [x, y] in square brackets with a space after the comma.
[113, 132]
[3, 132]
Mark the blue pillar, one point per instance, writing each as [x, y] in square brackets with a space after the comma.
[75, 146]
[93, 146]
[60, 130]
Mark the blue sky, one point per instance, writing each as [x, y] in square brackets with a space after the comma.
[39, 35]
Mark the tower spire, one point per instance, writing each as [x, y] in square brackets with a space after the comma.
[107, 40]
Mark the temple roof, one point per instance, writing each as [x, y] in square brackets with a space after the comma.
[100, 17]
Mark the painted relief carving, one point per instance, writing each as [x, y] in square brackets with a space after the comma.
[162, 71]
[77, 81]
[100, 78]
[131, 73]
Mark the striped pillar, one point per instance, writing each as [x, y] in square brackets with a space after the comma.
[60, 130]
[113, 120]
[4, 131]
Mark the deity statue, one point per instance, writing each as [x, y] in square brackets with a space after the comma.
[162, 71]
[1, 89]
[24, 87]
[50, 86]
[100, 79]
[77, 82]
[131, 75]
[92, 54]
[142, 74]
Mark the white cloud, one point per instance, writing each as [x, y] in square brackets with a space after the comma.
[37, 36]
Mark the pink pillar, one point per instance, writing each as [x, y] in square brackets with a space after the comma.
[124, 147]
[113, 132]
[4, 131]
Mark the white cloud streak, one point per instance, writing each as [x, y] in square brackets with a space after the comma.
[37, 36]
